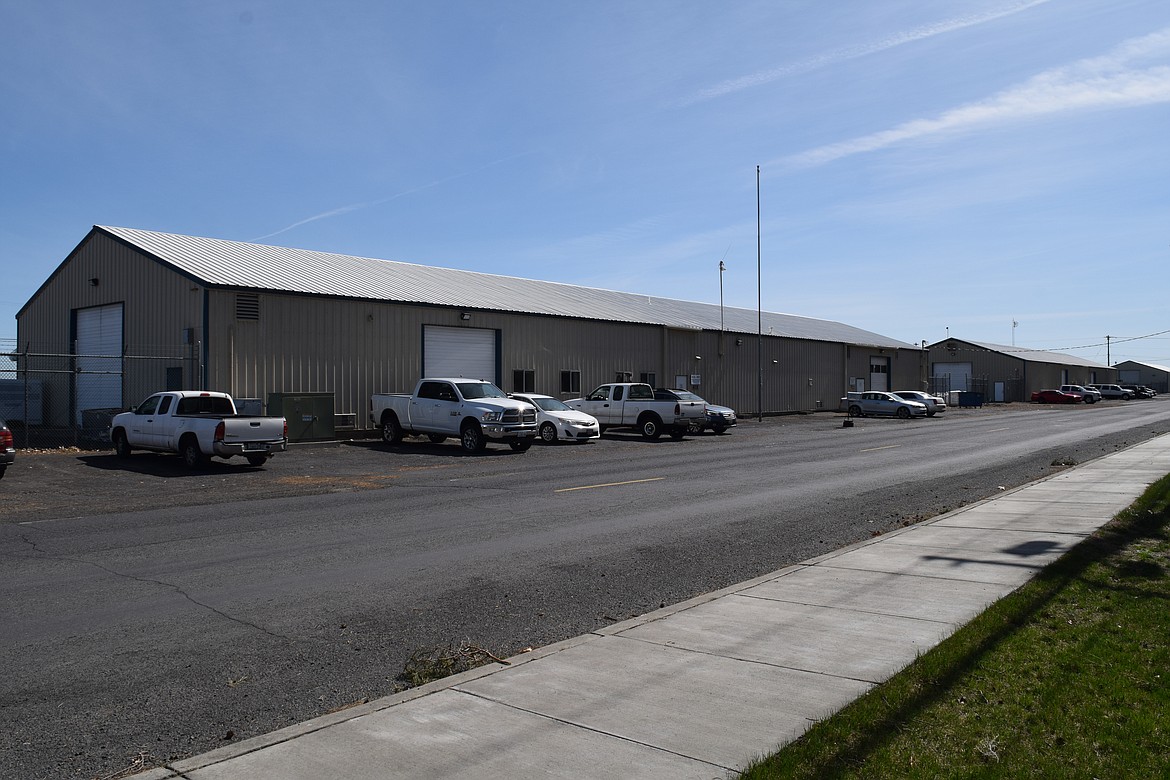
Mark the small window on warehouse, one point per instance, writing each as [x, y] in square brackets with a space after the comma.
[570, 381]
[524, 380]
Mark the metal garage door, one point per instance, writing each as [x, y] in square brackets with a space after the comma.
[469, 352]
[98, 382]
[958, 373]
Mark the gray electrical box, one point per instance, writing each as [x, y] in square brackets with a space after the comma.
[309, 415]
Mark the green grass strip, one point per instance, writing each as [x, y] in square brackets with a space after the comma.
[1067, 677]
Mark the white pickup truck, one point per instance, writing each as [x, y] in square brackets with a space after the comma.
[197, 424]
[632, 405]
[474, 410]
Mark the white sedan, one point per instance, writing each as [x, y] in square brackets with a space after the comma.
[555, 420]
[934, 404]
[877, 402]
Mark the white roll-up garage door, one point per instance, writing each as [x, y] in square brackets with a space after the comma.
[466, 352]
[959, 373]
[98, 383]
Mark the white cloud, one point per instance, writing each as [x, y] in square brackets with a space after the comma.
[1106, 82]
[853, 52]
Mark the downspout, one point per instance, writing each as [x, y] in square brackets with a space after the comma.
[204, 347]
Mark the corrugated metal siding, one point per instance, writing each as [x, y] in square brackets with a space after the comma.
[160, 305]
[1024, 370]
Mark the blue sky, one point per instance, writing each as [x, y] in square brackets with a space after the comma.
[926, 168]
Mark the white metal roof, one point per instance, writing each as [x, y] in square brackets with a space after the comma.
[236, 264]
[1143, 363]
[1031, 355]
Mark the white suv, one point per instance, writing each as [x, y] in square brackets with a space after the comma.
[1113, 391]
[1091, 394]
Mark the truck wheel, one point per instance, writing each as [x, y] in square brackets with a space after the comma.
[192, 455]
[471, 438]
[121, 446]
[855, 411]
[391, 430]
[650, 427]
[548, 433]
[520, 445]
[903, 413]
[436, 438]
[257, 460]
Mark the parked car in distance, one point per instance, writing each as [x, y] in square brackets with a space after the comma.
[556, 420]
[1090, 394]
[1139, 391]
[1112, 391]
[7, 448]
[934, 404]
[718, 418]
[1056, 397]
[879, 402]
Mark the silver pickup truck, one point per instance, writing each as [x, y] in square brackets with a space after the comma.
[473, 410]
[633, 405]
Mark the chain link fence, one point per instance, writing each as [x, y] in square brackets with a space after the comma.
[53, 400]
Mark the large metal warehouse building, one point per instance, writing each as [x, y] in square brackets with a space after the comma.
[1005, 374]
[1152, 375]
[130, 312]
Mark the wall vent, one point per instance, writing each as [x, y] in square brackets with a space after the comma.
[247, 306]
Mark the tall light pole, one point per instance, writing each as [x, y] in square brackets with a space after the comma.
[759, 311]
[722, 268]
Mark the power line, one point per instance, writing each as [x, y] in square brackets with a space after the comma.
[1114, 340]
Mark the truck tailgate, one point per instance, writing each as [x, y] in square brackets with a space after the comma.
[237, 430]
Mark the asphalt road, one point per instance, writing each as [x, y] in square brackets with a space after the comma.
[151, 613]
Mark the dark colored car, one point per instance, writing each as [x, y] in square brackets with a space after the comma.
[7, 450]
[1056, 397]
[1139, 391]
[718, 419]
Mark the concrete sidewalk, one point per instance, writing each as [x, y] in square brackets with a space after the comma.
[699, 689]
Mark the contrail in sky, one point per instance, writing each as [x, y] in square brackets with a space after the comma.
[1107, 82]
[841, 55]
[337, 212]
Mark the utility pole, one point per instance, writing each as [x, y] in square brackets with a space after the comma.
[759, 311]
[1108, 359]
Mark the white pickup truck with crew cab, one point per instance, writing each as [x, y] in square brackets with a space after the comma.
[474, 410]
[197, 424]
[632, 405]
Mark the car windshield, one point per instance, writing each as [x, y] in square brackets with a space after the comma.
[548, 404]
[683, 395]
[473, 390]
